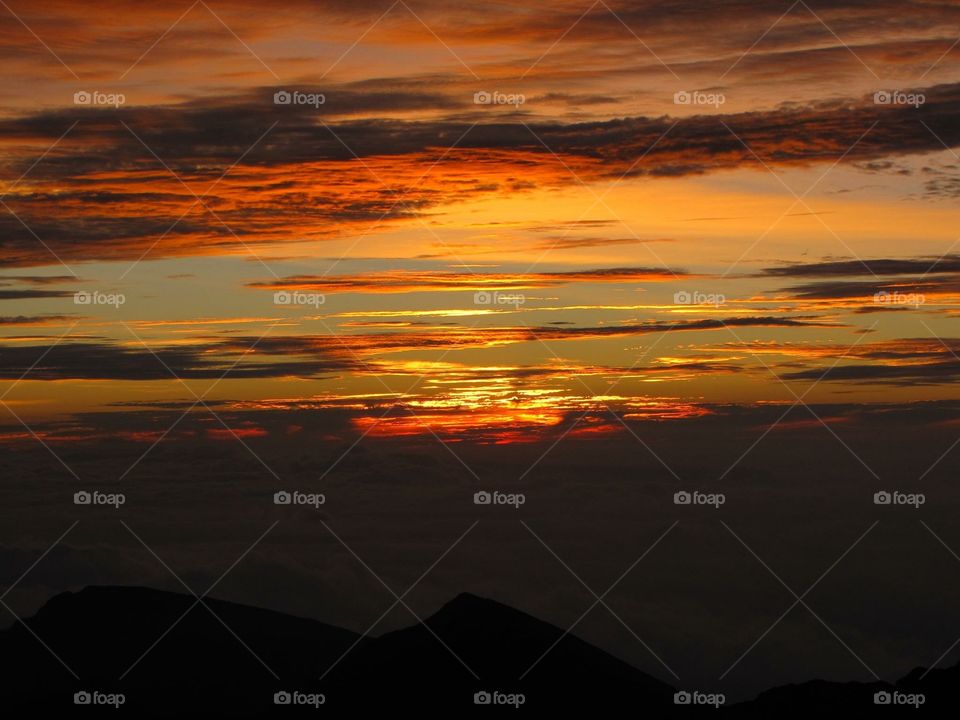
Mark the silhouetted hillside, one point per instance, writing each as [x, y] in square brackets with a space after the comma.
[500, 644]
[102, 632]
[171, 657]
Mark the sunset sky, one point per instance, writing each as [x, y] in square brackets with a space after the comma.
[401, 252]
[668, 209]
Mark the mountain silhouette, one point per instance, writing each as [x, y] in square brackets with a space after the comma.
[473, 644]
[101, 633]
[170, 656]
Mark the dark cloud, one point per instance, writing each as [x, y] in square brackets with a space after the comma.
[906, 362]
[33, 294]
[840, 289]
[101, 361]
[310, 355]
[38, 279]
[904, 375]
[854, 267]
[426, 281]
[454, 338]
[196, 144]
[33, 319]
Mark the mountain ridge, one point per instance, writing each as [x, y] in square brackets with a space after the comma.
[166, 651]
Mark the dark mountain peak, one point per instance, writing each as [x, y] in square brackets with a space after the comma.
[156, 639]
[473, 643]
[116, 604]
[106, 605]
[94, 596]
[468, 599]
[477, 609]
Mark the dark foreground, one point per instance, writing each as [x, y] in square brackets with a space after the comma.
[149, 653]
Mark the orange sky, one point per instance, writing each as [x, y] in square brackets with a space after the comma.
[476, 223]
